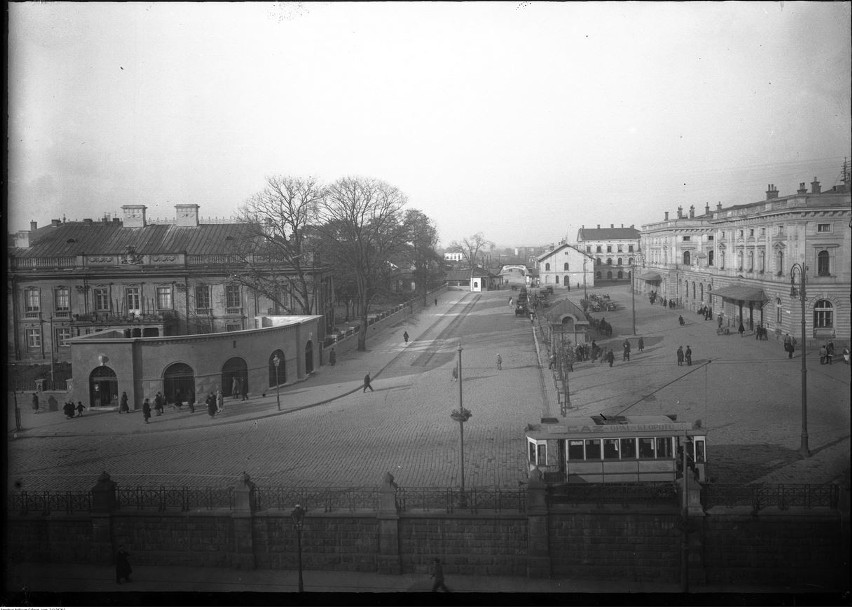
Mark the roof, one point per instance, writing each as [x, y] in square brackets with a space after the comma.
[457, 275]
[612, 425]
[585, 234]
[564, 307]
[541, 257]
[650, 276]
[77, 238]
[741, 292]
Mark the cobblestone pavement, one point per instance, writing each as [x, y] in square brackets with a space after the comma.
[330, 433]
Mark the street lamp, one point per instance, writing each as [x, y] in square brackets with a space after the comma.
[633, 295]
[298, 516]
[461, 415]
[276, 361]
[801, 268]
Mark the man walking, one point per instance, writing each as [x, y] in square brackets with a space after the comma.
[788, 345]
[626, 355]
[405, 337]
[680, 356]
[35, 402]
[610, 357]
[146, 410]
[499, 362]
[438, 576]
[158, 404]
[688, 355]
[367, 383]
[641, 344]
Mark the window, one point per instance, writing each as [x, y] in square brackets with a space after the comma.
[751, 232]
[575, 450]
[620, 247]
[164, 297]
[620, 274]
[32, 300]
[588, 248]
[750, 260]
[630, 248]
[628, 448]
[780, 229]
[686, 258]
[778, 312]
[232, 327]
[202, 299]
[598, 260]
[687, 238]
[134, 298]
[33, 337]
[699, 452]
[609, 261]
[610, 449]
[630, 261]
[762, 231]
[101, 299]
[232, 298]
[761, 257]
[822, 263]
[62, 301]
[532, 452]
[779, 262]
[646, 448]
[710, 258]
[619, 262]
[823, 228]
[547, 266]
[542, 454]
[565, 267]
[609, 248]
[664, 447]
[593, 448]
[63, 335]
[598, 249]
[823, 314]
[741, 232]
[740, 260]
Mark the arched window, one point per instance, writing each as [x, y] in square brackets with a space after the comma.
[609, 275]
[740, 260]
[822, 263]
[609, 261]
[701, 286]
[778, 312]
[598, 275]
[710, 258]
[750, 260]
[598, 260]
[547, 266]
[619, 264]
[823, 314]
[629, 261]
[779, 263]
[686, 257]
[620, 275]
[565, 267]
[762, 261]
[693, 290]
[686, 288]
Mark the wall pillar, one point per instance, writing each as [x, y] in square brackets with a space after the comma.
[103, 505]
[242, 518]
[538, 535]
[388, 560]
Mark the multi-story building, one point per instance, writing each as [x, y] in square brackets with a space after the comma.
[567, 266]
[615, 249]
[739, 261]
[70, 279]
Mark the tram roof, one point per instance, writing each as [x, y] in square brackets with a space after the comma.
[615, 425]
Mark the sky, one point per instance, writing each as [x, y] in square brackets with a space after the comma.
[521, 121]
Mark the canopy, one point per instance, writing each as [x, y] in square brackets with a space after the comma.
[650, 276]
[741, 292]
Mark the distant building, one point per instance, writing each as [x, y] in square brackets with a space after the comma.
[614, 249]
[566, 266]
[477, 280]
[453, 256]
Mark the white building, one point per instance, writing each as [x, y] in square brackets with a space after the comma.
[566, 266]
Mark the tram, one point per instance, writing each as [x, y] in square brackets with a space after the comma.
[616, 449]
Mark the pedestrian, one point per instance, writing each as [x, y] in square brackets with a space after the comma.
[35, 402]
[641, 344]
[788, 345]
[829, 352]
[499, 362]
[211, 405]
[405, 337]
[594, 350]
[146, 410]
[822, 354]
[332, 357]
[436, 302]
[720, 320]
[680, 320]
[610, 357]
[741, 329]
[68, 409]
[122, 404]
[235, 388]
[178, 399]
[367, 382]
[846, 355]
[680, 356]
[626, 346]
[688, 355]
[159, 402]
[191, 400]
[456, 372]
[438, 576]
[122, 564]
[244, 389]
[510, 302]
[80, 408]
[220, 401]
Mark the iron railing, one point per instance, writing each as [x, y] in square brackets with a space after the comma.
[45, 503]
[179, 498]
[763, 496]
[449, 500]
[624, 494]
[316, 499]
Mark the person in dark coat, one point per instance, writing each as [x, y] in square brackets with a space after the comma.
[332, 357]
[146, 410]
[680, 356]
[158, 403]
[211, 405]
[741, 329]
[641, 344]
[626, 355]
[367, 382]
[688, 355]
[438, 576]
[80, 408]
[788, 345]
[122, 404]
[35, 402]
[68, 409]
[405, 337]
[122, 563]
[610, 357]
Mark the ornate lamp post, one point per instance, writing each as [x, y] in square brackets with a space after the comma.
[461, 415]
[801, 268]
[276, 361]
[298, 516]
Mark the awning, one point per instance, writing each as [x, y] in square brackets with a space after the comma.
[650, 276]
[741, 292]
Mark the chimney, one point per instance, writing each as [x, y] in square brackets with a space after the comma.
[680, 211]
[706, 208]
[134, 216]
[55, 222]
[186, 215]
[802, 190]
[622, 225]
[815, 188]
[667, 215]
[33, 225]
[692, 211]
[22, 239]
[611, 226]
[771, 192]
[719, 206]
[599, 226]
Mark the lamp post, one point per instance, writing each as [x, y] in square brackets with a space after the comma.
[276, 361]
[585, 294]
[298, 516]
[802, 268]
[633, 295]
[461, 415]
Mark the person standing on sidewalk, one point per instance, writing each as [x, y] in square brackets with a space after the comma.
[688, 355]
[146, 410]
[438, 577]
[789, 346]
[641, 344]
[80, 408]
[626, 355]
[211, 405]
[122, 404]
[499, 362]
[367, 383]
[35, 402]
[122, 565]
[332, 357]
[220, 401]
[680, 356]
[158, 403]
[405, 337]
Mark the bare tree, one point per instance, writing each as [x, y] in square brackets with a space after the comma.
[471, 247]
[278, 257]
[361, 218]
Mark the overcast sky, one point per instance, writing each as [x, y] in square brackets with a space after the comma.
[522, 121]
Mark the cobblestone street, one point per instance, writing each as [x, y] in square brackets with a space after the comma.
[330, 433]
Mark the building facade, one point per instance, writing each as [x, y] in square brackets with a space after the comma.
[566, 266]
[614, 249]
[72, 279]
[739, 262]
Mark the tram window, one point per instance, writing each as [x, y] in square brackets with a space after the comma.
[610, 449]
[575, 450]
[699, 452]
[532, 453]
[664, 447]
[628, 448]
[593, 449]
[646, 448]
[542, 454]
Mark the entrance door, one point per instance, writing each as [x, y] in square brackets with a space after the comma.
[103, 387]
[178, 378]
[235, 370]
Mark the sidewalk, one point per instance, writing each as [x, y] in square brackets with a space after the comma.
[326, 384]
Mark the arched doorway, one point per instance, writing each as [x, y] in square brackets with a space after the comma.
[309, 357]
[103, 387]
[235, 369]
[565, 281]
[178, 378]
[282, 369]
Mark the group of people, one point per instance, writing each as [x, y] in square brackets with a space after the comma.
[705, 311]
[70, 409]
[684, 356]
[826, 353]
[669, 303]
